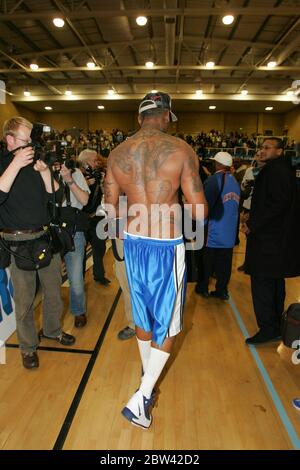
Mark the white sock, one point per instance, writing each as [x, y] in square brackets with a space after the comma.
[156, 364]
[145, 350]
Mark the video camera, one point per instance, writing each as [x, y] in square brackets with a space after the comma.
[96, 173]
[47, 149]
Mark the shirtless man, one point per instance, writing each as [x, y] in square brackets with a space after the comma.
[149, 168]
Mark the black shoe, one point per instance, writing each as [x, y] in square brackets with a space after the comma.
[80, 321]
[202, 292]
[219, 295]
[126, 333]
[104, 281]
[30, 360]
[64, 338]
[263, 337]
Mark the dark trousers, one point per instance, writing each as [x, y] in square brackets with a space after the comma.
[268, 297]
[98, 249]
[216, 261]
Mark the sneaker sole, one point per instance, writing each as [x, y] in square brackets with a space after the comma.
[296, 407]
[122, 338]
[130, 417]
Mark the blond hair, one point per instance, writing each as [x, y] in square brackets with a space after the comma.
[84, 155]
[12, 125]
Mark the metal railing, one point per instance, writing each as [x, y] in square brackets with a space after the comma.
[236, 152]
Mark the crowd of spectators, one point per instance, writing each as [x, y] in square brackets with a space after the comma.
[206, 144]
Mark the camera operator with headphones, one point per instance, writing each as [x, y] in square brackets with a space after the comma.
[25, 189]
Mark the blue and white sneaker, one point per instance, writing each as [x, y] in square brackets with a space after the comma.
[296, 403]
[137, 410]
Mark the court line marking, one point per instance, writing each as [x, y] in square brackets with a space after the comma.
[53, 348]
[63, 434]
[268, 382]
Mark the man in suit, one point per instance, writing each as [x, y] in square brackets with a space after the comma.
[272, 246]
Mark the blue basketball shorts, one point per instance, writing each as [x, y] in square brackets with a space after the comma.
[157, 281]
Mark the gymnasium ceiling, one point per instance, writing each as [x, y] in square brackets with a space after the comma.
[180, 37]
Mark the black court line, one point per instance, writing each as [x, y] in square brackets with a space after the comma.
[52, 348]
[86, 375]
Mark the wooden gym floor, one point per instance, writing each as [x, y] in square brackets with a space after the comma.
[216, 393]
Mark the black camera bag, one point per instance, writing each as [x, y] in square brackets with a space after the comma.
[62, 224]
[31, 255]
[75, 219]
[290, 325]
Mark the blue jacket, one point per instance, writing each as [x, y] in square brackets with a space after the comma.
[223, 214]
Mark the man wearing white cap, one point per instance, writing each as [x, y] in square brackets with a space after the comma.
[222, 193]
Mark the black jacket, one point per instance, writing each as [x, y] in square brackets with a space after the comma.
[25, 206]
[274, 222]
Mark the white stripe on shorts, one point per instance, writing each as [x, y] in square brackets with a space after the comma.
[178, 273]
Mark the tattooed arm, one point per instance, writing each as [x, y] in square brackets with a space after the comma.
[111, 188]
[191, 183]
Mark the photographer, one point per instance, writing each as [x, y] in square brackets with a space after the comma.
[89, 161]
[25, 189]
[77, 192]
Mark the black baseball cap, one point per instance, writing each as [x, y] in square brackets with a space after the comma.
[157, 100]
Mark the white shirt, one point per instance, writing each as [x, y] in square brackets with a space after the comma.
[248, 176]
[81, 182]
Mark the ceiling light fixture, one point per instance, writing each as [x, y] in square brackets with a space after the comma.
[27, 93]
[58, 22]
[34, 66]
[141, 20]
[68, 92]
[48, 108]
[212, 107]
[154, 91]
[228, 19]
[100, 106]
[244, 92]
[290, 93]
[111, 91]
[199, 92]
[268, 108]
[210, 64]
[272, 64]
[149, 64]
[91, 65]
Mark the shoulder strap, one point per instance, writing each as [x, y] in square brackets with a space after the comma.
[220, 193]
[115, 250]
[54, 204]
[67, 194]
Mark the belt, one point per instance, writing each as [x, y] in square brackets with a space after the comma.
[21, 232]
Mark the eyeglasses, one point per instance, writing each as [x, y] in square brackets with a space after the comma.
[268, 147]
[25, 141]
